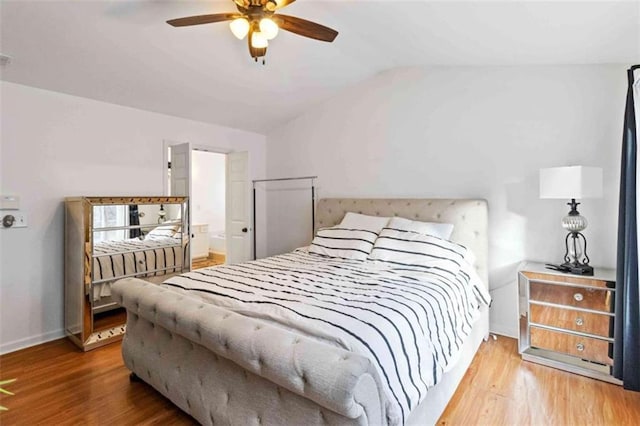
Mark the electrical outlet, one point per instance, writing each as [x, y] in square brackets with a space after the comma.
[21, 220]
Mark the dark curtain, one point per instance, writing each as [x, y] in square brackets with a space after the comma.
[134, 219]
[626, 351]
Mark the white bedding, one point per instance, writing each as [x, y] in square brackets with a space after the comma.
[410, 323]
[115, 260]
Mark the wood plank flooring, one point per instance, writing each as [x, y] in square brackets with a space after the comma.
[204, 262]
[57, 384]
[106, 320]
[501, 389]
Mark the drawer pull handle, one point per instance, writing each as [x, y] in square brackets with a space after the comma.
[578, 297]
[580, 347]
[579, 321]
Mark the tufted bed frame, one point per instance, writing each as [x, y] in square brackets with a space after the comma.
[225, 368]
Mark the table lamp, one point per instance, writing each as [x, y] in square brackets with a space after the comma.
[572, 182]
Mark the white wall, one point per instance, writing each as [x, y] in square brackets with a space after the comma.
[55, 145]
[469, 132]
[208, 189]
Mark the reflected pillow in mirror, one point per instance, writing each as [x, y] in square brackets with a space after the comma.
[163, 231]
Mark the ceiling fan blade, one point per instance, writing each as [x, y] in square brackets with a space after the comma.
[283, 3]
[305, 28]
[203, 19]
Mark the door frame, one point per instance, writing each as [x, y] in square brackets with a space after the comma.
[166, 143]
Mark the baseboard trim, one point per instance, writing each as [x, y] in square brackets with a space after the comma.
[27, 342]
[501, 331]
[218, 257]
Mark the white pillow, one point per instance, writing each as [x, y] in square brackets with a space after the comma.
[362, 221]
[440, 230]
[343, 243]
[411, 249]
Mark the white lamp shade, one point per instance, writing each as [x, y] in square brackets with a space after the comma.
[571, 182]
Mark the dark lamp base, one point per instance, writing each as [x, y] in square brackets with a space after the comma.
[578, 269]
[571, 268]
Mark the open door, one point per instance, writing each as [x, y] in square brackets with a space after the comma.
[181, 184]
[238, 215]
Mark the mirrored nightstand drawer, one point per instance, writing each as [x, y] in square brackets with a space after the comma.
[570, 319]
[579, 346]
[579, 297]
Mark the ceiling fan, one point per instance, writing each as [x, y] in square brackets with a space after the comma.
[259, 20]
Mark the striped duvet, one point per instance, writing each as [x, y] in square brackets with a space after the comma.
[410, 322]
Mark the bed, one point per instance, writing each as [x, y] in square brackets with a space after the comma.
[224, 365]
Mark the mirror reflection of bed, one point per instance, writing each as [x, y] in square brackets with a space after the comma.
[106, 320]
[109, 238]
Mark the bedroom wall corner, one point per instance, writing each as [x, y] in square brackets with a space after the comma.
[54, 145]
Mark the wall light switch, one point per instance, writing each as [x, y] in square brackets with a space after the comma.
[9, 202]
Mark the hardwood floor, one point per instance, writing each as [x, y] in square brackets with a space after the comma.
[212, 260]
[58, 384]
[501, 389]
[106, 320]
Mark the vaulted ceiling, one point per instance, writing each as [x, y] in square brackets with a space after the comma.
[123, 52]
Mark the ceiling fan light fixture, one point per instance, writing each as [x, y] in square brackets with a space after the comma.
[256, 20]
[258, 40]
[239, 27]
[268, 28]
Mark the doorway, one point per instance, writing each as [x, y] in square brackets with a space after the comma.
[217, 186]
[207, 206]
[208, 188]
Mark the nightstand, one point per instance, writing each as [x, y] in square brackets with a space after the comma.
[566, 320]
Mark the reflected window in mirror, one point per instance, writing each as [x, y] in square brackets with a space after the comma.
[110, 216]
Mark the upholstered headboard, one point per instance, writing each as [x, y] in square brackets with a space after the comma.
[469, 217]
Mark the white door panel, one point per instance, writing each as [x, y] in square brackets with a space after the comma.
[181, 183]
[181, 170]
[238, 208]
